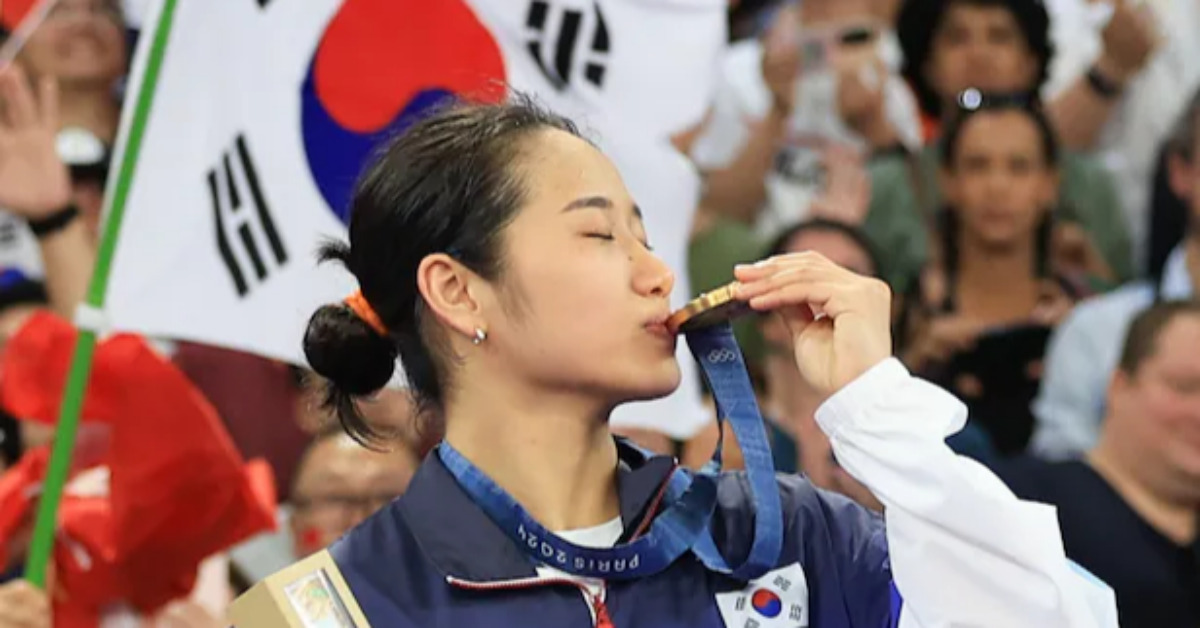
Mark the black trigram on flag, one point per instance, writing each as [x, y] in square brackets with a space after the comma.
[247, 241]
[554, 52]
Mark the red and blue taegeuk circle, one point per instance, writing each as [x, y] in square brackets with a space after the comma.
[378, 65]
[766, 603]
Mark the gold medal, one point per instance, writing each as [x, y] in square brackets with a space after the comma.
[710, 308]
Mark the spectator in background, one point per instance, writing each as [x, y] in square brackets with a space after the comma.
[339, 483]
[790, 125]
[1128, 510]
[35, 186]
[977, 317]
[1083, 352]
[823, 76]
[82, 46]
[1140, 64]
[995, 46]
[78, 56]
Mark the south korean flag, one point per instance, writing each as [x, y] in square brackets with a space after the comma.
[778, 599]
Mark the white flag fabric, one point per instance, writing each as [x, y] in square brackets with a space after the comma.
[265, 111]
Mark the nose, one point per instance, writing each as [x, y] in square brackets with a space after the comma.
[979, 58]
[998, 182]
[652, 277]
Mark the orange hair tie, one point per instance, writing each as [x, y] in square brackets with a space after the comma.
[358, 304]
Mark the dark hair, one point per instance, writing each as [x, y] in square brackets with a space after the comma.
[779, 245]
[972, 102]
[1170, 215]
[919, 21]
[750, 17]
[1185, 133]
[1141, 341]
[446, 184]
[977, 103]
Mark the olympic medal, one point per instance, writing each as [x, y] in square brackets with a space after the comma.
[710, 308]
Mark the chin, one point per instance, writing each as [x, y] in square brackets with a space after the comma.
[655, 383]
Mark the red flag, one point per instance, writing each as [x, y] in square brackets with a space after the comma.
[178, 489]
[13, 11]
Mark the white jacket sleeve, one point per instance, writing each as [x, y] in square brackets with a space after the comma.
[964, 550]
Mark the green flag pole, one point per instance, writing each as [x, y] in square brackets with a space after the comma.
[85, 346]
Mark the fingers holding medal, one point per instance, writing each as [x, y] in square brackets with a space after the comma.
[840, 321]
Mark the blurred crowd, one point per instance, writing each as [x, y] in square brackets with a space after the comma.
[1025, 174]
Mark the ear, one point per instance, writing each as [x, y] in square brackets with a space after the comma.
[1181, 176]
[1119, 387]
[451, 292]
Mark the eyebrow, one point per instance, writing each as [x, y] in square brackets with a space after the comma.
[597, 202]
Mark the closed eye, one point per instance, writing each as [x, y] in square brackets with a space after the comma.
[600, 236]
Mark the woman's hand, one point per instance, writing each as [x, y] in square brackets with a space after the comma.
[782, 58]
[1053, 304]
[23, 605]
[839, 321]
[1072, 253]
[34, 182]
[847, 195]
[1130, 39]
[185, 614]
[940, 339]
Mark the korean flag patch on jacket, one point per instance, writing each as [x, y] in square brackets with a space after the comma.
[778, 599]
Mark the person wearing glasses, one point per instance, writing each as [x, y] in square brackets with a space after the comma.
[338, 484]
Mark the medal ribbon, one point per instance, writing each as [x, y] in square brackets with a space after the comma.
[691, 497]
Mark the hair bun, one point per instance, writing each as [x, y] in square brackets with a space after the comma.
[343, 348]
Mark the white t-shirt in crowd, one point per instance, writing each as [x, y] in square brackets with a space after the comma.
[795, 179]
[1150, 104]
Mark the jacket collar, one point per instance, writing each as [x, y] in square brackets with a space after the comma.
[462, 542]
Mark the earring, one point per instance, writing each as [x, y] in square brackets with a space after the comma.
[480, 336]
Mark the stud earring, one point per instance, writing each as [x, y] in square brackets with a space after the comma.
[480, 336]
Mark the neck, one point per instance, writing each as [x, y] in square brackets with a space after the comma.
[553, 453]
[980, 266]
[92, 107]
[1146, 488]
[981, 260]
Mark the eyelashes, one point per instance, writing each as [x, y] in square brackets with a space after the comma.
[608, 237]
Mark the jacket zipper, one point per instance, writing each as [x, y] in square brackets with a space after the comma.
[596, 601]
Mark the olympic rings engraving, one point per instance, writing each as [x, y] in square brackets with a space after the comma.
[721, 355]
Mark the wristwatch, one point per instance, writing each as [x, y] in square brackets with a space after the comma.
[42, 227]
